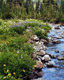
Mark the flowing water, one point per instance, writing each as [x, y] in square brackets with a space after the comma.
[55, 73]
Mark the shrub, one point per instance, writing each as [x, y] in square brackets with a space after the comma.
[17, 29]
[41, 34]
[17, 43]
[46, 27]
[13, 64]
[32, 24]
[8, 15]
[28, 48]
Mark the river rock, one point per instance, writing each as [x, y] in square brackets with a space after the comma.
[46, 58]
[36, 38]
[62, 53]
[54, 56]
[61, 58]
[50, 64]
[55, 41]
[44, 41]
[38, 74]
[57, 27]
[57, 51]
[39, 65]
[42, 52]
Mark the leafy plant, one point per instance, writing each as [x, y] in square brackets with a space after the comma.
[13, 64]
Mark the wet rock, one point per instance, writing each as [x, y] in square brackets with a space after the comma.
[39, 46]
[61, 58]
[59, 37]
[44, 41]
[54, 56]
[55, 41]
[38, 74]
[50, 64]
[37, 42]
[62, 53]
[46, 58]
[57, 27]
[57, 51]
[39, 65]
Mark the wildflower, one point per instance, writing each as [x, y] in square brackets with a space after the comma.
[23, 70]
[34, 66]
[14, 73]
[9, 74]
[4, 65]
[7, 70]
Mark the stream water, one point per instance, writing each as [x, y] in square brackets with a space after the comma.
[55, 73]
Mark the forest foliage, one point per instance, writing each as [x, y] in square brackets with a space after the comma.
[47, 10]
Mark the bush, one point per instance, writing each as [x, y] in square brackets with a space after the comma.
[46, 27]
[41, 34]
[17, 43]
[32, 24]
[8, 15]
[28, 48]
[13, 64]
[17, 29]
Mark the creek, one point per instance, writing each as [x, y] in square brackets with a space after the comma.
[55, 49]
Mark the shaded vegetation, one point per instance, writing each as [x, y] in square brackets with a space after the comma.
[47, 10]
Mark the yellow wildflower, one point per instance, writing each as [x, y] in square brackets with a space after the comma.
[7, 70]
[9, 74]
[23, 70]
[34, 66]
[14, 73]
[4, 65]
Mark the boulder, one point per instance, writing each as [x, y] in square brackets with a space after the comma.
[46, 58]
[39, 65]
